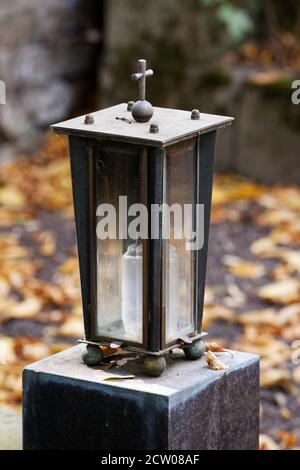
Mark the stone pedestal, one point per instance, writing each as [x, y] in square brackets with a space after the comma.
[67, 405]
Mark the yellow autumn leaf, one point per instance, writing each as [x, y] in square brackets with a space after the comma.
[267, 443]
[266, 77]
[27, 308]
[292, 258]
[215, 363]
[276, 378]
[285, 291]
[265, 247]
[217, 313]
[47, 241]
[73, 327]
[266, 316]
[244, 269]
[288, 440]
[7, 351]
[11, 196]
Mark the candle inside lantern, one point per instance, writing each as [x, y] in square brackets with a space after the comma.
[172, 294]
[132, 292]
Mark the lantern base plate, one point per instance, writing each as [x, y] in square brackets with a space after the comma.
[68, 406]
[181, 343]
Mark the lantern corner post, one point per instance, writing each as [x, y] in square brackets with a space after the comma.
[154, 363]
[205, 166]
[82, 170]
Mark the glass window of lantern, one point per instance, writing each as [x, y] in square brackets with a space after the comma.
[120, 171]
[179, 289]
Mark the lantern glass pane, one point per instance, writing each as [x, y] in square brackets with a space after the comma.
[120, 172]
[179, 262]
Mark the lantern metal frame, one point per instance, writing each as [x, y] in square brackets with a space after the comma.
[112, 125]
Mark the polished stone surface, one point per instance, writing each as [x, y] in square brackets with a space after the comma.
[68, 405]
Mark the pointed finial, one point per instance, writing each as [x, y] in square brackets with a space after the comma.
[142, 110]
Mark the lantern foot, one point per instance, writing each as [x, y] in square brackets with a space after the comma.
[154, 366]
[195, 350]
[93, 355]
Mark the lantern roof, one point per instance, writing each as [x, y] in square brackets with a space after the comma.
[167, 126]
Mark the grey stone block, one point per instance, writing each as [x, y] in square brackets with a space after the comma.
[67, 405]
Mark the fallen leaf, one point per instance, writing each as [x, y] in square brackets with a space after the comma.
[266, 316]
[292, 258]
[217, 313]
[264, 247]
[47, 241]
[236, 296]
[4, 287]
[11, 196]
[27, 308]
[214, 347]
[7, 351]
[267, 443]
[276, 378]
[214, 363]
[106, 376]
[242, 268]
[266, 78]
[296, 375]
[73, 328]
[287, 440]
[285, 413]
[34, 351]
[281, 292]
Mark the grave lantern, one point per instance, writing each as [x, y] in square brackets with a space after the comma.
[142, 183]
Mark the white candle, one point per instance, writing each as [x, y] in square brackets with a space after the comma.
[132, 292]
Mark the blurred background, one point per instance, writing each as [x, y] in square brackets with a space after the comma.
[238, 58]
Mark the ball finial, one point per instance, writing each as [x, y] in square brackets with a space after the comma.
[142, 110]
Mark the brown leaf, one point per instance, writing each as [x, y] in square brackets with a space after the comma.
[281, 292]
[7, 351]
[27, 308]
[47, 241]
[287, 440]
[285, 413]
[214, 347]
[214, 363]
[276, 377]
[242, 268]
[265, 247]
[266, 316]
[296, 375]
[217, 313]
[11, 196]
[34, 350]
[73, 328]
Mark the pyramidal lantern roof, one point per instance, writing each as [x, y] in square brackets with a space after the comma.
[141, 123]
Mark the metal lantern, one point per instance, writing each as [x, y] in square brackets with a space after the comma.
[142, 282]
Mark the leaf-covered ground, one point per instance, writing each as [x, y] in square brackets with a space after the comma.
[253, 278]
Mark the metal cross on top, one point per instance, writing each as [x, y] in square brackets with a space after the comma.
[142, 110]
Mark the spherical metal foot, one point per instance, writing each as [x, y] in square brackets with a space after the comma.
[154, 366]
[195, 350]
[142, 111]
[93, 355]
